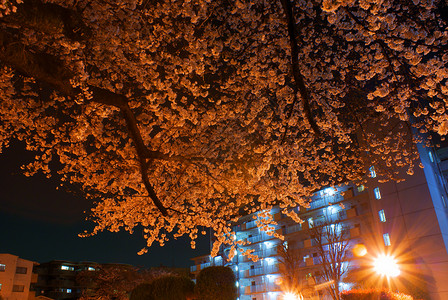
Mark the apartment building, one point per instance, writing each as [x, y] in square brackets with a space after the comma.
[411, 223]
[406, 220]
[348, 206]
[16, 275]
[57, 279]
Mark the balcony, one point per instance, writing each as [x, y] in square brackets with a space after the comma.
[199, 267]
[262, 254]
[261, 288]
[248, 225]
[261, 271]
[263, 236]
[294, 228]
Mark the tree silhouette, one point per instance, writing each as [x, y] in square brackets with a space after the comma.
[331, 242]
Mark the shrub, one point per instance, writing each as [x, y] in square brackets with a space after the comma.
[142, 292]
[374, 294]
[172, 288]
[216, 283]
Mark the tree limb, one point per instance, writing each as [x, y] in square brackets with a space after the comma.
[49, 18]
[51, 70]
[298, 77]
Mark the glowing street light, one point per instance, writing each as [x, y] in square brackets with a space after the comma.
[292, 296]
[386, 265]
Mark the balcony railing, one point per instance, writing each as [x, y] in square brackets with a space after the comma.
[294, 228]
[262, 254]
[260, 237]
[261, 288]
[261, 271]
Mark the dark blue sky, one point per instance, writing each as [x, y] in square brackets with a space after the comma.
[40, 223]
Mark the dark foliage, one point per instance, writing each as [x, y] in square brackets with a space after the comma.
[142, 292]
[373, 294]
[216, 283]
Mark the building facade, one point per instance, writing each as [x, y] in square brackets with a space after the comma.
[57, 279]
[407, 221]
[260, 280]
[16, 275]
[411, 224]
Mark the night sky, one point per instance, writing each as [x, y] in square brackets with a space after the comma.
[40, 223]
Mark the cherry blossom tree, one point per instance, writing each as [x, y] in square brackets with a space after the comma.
[180, 115]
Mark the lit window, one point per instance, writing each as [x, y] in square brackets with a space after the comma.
[386, 239]
[91, 269]
[377, 193]
[361, 188]
[382, 215]
[310, 222]
[372, 172]
[2, 267]
[67, 268]
[431, 157]
[237, 284]
[0, 286]
[328, 191]
[69, 291]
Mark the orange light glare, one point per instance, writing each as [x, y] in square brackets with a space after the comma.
[386, 265]
[359, 250]
[292, 296]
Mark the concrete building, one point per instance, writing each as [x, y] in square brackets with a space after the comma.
[406, 220]
[411, 223]
[16, 275]
[348, 206]
[57, 279]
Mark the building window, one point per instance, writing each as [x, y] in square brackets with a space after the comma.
[0, 286]
[21, 270]
[377, 193]
[2, 268]
[310, 222]
[67, 268]
[18, 288]
[69, 291]
[372, 172]
[431, 157]
[382, 215]
[386, 239]
[91, 269]
[361, 188]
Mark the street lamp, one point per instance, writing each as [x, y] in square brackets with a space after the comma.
[386, 265]
[292, 296]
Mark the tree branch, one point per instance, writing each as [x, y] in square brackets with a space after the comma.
[49, 69]
[298, 77]
[49, 18]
